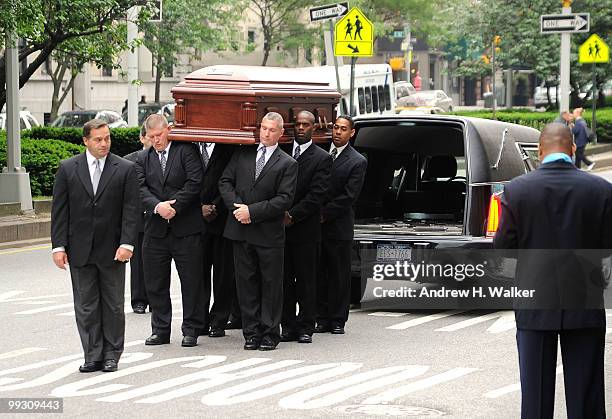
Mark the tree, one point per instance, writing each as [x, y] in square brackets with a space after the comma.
[47, 24]
[187, 25]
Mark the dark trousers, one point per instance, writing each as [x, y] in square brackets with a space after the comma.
[187, 254]
[334, 282]
[259, 283]
[99, 296]
[300, 286]
[580, 157]
[582, 351]
[137, 284]
[218, 255]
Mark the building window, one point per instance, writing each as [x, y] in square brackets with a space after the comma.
[107, 71]
[251, 37]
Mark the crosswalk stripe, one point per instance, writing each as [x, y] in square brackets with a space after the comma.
[19, 352]
[500, 315]
[512, 388]
[426, 319]
[387, 314]
[41, 297]
[45, 309]
[4, 297]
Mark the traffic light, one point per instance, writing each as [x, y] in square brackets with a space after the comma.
[485, 59]
[497, 40]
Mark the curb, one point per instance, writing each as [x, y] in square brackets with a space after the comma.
[26, 243]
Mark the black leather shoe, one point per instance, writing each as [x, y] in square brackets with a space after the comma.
[267, 345]
[322, 328]
[139, 308]
[189, 341]
[304, 338]
[233, 324]
[91, 366]
[337, 330]
[251, 344]
[157, 340]
[216, 332]
[110, 365]
[288, 337]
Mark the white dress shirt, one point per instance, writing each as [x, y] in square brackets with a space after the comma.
[167, 152]
[269, 151]
[340, 149]
[303, 147]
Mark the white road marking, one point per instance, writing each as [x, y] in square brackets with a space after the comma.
[19, 352]
[215, 378]
[426, 319]
[4, 297]
[247, 392]
[397, 392]
[512, 388]
[45, 309]
[387, 314]
[348, 387]
[501, 325]
[40, 297]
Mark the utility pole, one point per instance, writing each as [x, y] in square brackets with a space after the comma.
[564, 70]
[14, 180]
[493, 78]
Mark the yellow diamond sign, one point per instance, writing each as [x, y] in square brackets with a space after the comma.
[594, 50]
[354, 35]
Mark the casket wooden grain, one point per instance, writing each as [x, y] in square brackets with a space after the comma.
[225, 103]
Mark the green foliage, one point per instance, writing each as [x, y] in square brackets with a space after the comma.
[539, 119]
[41, 158]
[123, 140]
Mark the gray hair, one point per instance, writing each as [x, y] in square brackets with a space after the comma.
[275, 116]
[155, 121]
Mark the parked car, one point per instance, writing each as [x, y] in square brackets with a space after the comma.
[26, 120]
[407, 99]
[146, 109]
[436, 98]
[77, 119]
[540, 99]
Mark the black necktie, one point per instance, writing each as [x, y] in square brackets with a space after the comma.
[261, 162]
[205, 156]
[334, 154]
[162, 161]
[296, 153]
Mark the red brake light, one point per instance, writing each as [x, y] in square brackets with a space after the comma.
[494, 215]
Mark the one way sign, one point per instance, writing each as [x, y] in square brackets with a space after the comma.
[330, 11]
[570, 23]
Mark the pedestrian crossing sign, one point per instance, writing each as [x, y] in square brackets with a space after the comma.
[594, 50]
[354, 35]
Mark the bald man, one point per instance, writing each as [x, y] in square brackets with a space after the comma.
[563, 210]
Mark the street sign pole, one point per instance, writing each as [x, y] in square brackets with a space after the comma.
[132, 34]
[339, 88]
[352, 96]
[493, 78]
[564, 70]
[593, 105]
[14, 180]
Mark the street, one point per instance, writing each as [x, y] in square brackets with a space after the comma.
[451, 363]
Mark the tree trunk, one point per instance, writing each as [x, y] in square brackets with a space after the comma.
[158, 74]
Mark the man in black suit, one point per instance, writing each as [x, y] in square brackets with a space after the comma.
[259, 183]
[217, 249]
[170, 176]
[560, 211]
[139, 298]
[338, 220]
[93, 229]
[303, 229]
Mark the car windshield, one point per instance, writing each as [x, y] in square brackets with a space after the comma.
[73, 119]
[427, 95]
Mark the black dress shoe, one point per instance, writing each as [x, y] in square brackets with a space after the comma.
[337, 330]
[322, 328]
[251, 344]
[139, 308]
[91, 366]
[189, 341]
[233, 324]
[157, 340]
[288, 337]
[110, 365]
[267, 345]
[216, 332]
[305, 338]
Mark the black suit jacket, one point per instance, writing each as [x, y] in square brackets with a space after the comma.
[314, 169]
[91, 228]
[182, 181]
[210, 187]
[347, 176]
[268, 197]
[133, 157]
[560, 211]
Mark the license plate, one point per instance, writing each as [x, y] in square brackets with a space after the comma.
[392, 252]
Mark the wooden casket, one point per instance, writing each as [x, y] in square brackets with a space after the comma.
[225, 103]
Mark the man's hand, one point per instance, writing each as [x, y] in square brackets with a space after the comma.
[165, 210]
[60, 259]
[122, 254]
[242, 213]
[209, 212]
[288, 221]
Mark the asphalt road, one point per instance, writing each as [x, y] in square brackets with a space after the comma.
[456, 364]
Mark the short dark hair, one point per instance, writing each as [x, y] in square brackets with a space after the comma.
[93, 124]
[348, 118]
